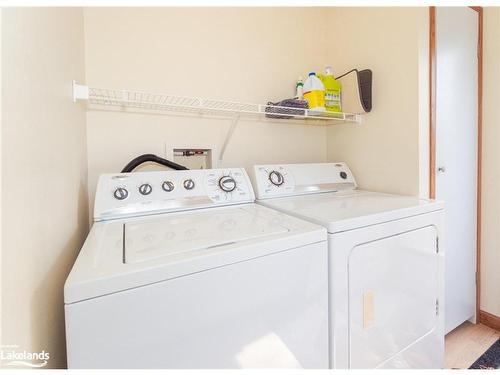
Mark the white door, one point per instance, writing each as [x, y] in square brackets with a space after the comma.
[456, 154]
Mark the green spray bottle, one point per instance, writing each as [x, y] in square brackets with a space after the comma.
[333, 91]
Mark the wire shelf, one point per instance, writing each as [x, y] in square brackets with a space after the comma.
[144, 101]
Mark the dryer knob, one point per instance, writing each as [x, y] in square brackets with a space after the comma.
[120, 193]
[188, 184]
[227, 184]
[168, 186]
[276, 178]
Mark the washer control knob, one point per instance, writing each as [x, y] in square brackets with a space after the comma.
[227, 184]
[120, 193]
[168, 186]
[188, 184]
[145, 189]
[343, 175]
[276, 178]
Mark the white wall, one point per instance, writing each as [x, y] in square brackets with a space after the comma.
[383, 152]
[423, 105]
[239, 54]
[490, 234]
[1, 226]
[44, 189]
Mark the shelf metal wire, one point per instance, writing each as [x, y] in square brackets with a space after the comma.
[161, 103]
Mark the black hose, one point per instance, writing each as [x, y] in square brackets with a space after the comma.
[134, 163]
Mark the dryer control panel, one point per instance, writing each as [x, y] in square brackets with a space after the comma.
[271, 181]
[142, 193]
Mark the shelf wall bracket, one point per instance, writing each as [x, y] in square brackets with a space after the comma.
[80, 92]
[229, 134]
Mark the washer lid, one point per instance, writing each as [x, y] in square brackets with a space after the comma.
[187, 234]
[345, 210]
[120, 255]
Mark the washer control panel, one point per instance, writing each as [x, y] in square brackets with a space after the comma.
[272, 181]
[143, 193]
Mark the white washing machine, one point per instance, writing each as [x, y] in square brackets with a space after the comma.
[385, 262]
[182, 270]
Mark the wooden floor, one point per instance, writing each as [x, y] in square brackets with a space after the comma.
[467, 343]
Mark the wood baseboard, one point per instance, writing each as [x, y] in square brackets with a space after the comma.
[489, 320]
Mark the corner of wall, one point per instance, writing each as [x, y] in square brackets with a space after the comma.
[423, 106]
[385, 152]
[490, 207]
[1, 161]
[45, 53]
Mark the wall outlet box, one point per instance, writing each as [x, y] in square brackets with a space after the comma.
[192, 157]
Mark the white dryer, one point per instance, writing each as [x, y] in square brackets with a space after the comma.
[385, 264]
[182, 270]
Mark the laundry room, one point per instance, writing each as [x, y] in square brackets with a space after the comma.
[237, 186]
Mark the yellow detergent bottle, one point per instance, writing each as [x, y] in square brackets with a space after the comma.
[314, 92]
[333, 90]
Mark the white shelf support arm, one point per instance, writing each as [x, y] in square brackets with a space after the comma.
[229, 134]
[80, 92]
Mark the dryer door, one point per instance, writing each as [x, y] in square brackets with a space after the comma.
[392, 282]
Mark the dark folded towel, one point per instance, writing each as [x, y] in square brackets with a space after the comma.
[294, 107]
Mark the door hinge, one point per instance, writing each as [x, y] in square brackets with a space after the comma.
[437, 307]
[437, 245]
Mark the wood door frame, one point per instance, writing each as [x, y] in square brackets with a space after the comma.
[432, 131]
